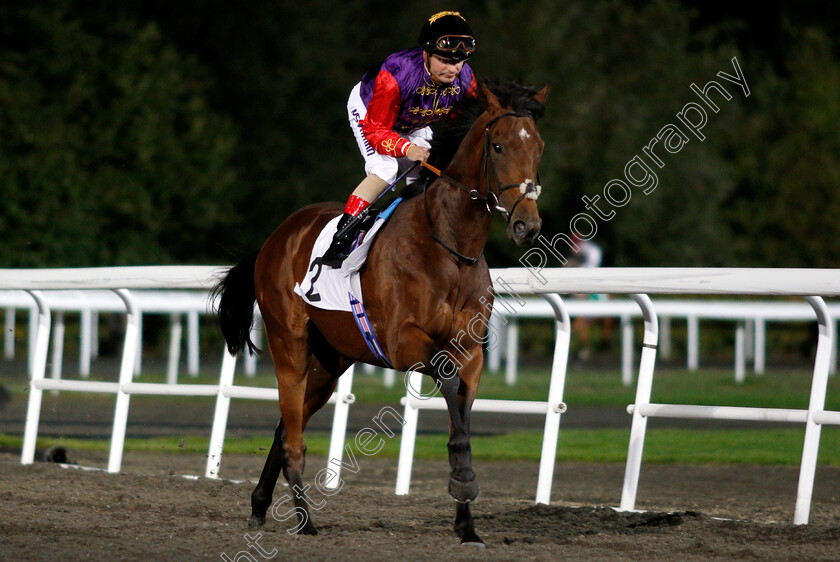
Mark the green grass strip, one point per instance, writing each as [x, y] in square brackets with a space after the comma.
[782, 388]
[726, 446]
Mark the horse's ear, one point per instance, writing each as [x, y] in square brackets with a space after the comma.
[542, 94]
[487, 98]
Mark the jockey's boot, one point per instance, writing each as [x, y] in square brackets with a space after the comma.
[341, 245]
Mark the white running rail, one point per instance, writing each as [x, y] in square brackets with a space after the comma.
[120, 280]
[811, 284]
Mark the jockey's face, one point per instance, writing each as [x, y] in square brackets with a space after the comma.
[443, 71]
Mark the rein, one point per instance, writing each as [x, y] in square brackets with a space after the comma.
[527, 188]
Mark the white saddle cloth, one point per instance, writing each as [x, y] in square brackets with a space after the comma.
[329, 288]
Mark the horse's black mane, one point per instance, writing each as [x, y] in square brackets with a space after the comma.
[449, 132]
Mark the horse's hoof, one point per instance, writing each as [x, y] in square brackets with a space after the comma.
[463, 492]
[469, 536]
[256, 521]
[309, 530]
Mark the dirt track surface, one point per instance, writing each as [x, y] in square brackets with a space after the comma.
[151, 512]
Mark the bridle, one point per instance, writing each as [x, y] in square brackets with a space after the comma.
[528, 189]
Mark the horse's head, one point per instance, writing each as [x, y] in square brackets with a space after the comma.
[512, 150]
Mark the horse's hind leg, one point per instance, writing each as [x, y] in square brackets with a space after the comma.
[299, 400]
[320, 384]
[290, 356]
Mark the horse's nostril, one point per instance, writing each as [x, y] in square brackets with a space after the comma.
[520, 229]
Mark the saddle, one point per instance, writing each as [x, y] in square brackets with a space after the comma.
[334, 288]
[341, 288]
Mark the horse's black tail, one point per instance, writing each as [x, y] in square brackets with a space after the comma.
[234, 297]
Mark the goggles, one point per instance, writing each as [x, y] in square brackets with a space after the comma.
[453, 43]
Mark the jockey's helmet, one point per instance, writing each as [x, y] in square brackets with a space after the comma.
[449, 36]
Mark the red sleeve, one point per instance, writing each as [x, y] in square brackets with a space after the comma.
[382, 112]
[473, 91]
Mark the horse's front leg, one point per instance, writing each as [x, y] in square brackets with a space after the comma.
[462, 485]
[458, 387]
[469, 376]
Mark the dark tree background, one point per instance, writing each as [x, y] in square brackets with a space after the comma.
[151, 132]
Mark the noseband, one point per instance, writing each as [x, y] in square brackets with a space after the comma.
[527, 188]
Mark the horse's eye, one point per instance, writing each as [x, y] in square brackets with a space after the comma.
[498, 148]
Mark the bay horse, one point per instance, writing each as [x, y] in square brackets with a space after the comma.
[424, 281]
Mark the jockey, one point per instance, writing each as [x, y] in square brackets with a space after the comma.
[391, 111]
